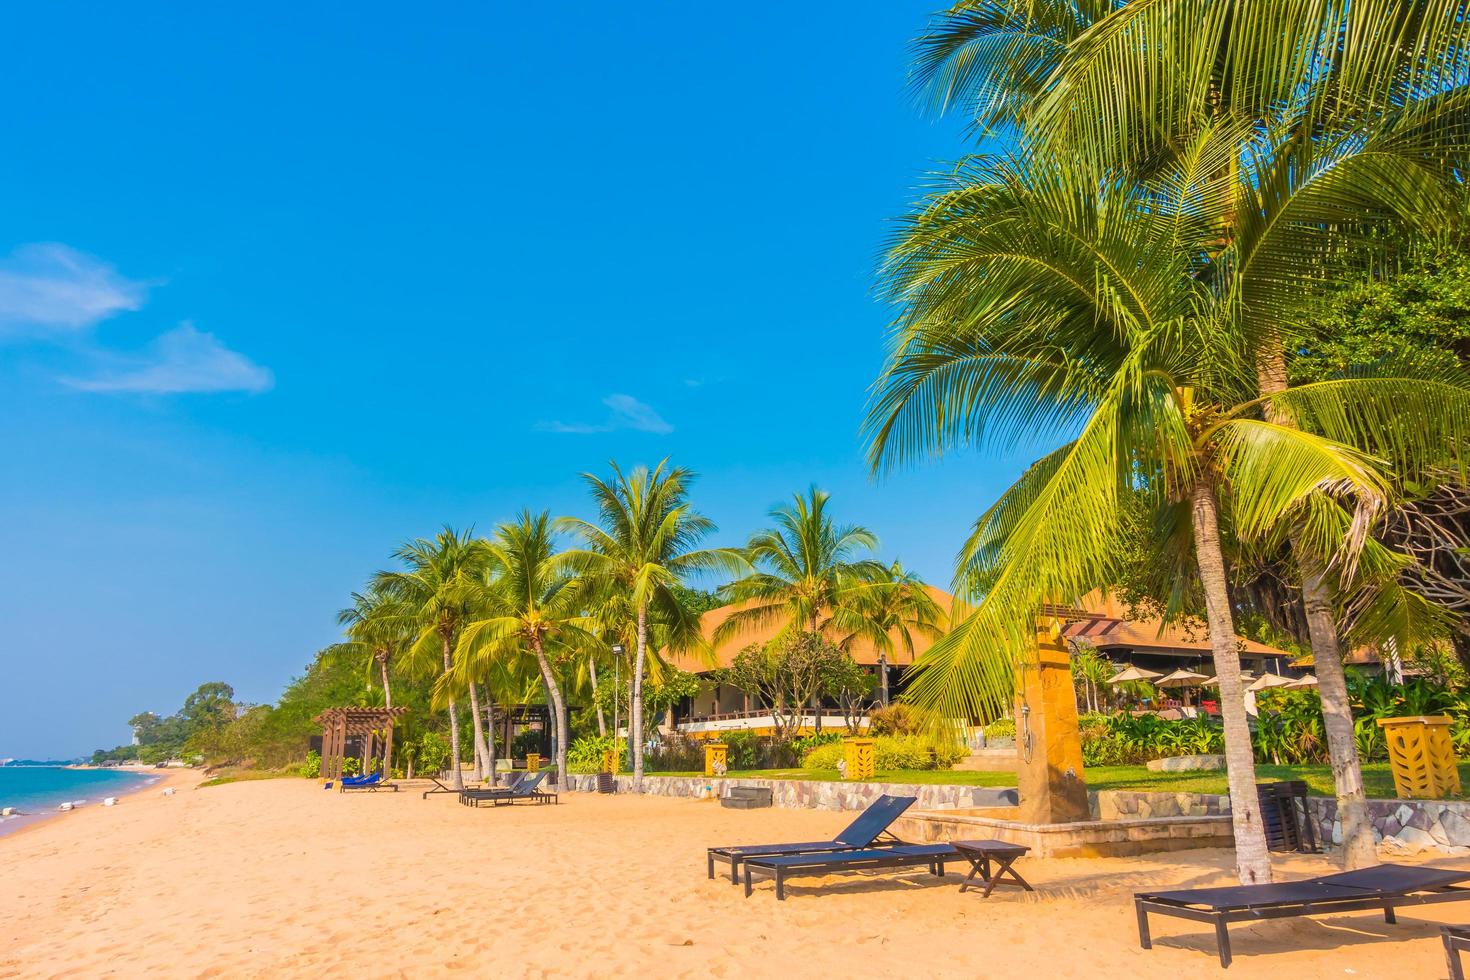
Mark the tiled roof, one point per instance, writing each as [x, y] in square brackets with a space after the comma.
[1106, 627]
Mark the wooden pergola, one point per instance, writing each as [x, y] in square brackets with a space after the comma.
[368, 724]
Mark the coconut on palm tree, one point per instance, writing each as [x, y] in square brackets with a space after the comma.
[1340, 126]
[642, 547]
[1037, 298]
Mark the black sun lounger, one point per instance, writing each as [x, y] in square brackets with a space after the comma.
[470, 794]
[524, 792]
[871, 825]
[787, 866]
[440, 787]
[1382, 888]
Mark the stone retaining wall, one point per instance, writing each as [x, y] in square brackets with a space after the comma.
[1405, 826]
[811, 794]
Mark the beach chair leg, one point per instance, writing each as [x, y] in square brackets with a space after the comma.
[780, 886]
[1389, 916]
[709, 860]
[1452, 960]
[747, 880]
[1145, 941]
[1223, 939]
[734, 869]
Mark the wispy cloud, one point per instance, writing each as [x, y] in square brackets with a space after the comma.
[624, 412]
[51, 288]
[184, 360]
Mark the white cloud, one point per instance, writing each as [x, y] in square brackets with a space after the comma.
[49, 287]
[624, 412]
[184, 360]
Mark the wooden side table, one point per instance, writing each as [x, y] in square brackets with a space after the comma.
[980, 854]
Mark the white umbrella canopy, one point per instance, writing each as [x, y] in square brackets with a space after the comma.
[1303, 682]
[1269, 680]
[1133, 674]
[1181, 678]
[1246, 677]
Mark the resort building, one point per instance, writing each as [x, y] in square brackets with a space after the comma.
[1101, 623]
[1148, 643]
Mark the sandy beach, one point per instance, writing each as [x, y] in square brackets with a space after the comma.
[279, 878]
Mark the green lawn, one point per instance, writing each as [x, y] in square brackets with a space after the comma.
[1376, 777]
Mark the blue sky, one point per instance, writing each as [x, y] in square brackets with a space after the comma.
[282, 285]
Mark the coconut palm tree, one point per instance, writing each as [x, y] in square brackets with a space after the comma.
[438, 588]
[889, 613]
[531, 607]
[642, 547]
[803, 569]
[382, 626]
[1347, 126]
[1037, 298]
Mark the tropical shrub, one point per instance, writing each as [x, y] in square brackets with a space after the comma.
[311, 768]
[585, 755]
[895, 719]
[677, 753]
[1001, 728]
[893, 752]
[432, 753]
[801, 746]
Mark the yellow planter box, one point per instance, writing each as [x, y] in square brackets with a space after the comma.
[1421, 756]
[859, 756]
[716, 756]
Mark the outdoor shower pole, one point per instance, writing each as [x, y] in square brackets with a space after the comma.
[617, 649]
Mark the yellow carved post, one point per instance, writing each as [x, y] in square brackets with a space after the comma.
[1049, 778]
[1422, 757]
[610, 761]
[858, 754]
[533, 761]
[715, 756]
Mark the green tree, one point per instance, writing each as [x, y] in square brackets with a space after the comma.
[1330, 130]
[644, 545]
[532, 607]
[802, 570]
[438, 586]
[888, 612]
[1036, 295]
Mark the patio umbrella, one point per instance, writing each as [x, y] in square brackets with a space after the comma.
[1133, 674]
[1269, 680]
[1302, 682]
[1245, 678]
[1181, 678]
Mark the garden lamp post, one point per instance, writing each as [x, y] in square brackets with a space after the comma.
[883, 678]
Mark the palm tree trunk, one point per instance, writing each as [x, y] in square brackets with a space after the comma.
[635, 700]
[383, 668]
[481, 754]
[558, 710]
[592, 672]
[457, 777]
[490, 736]
[1358, 848]
[1252, 861]
[382, 656]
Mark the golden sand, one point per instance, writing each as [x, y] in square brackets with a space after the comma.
[280, 879]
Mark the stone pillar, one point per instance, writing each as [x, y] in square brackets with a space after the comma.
[1048, 743]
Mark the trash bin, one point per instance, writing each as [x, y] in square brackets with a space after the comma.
[1421, 756]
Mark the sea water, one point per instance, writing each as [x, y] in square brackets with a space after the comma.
[41, 789]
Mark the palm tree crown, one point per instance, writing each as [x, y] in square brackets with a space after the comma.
[804, 567]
